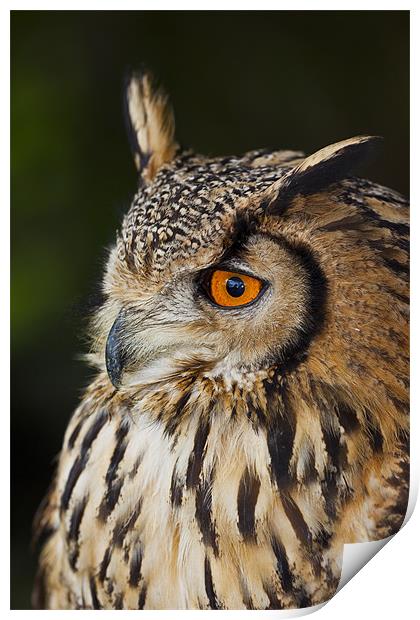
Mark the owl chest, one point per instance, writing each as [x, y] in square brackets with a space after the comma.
[193, 520]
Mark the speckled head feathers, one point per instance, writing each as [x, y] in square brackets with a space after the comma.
[188, 202]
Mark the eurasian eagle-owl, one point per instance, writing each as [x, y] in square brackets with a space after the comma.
[249, 413]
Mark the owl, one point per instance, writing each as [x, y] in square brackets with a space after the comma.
[249, 412]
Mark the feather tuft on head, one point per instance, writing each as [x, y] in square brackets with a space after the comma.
[329, 165]
[150, 124]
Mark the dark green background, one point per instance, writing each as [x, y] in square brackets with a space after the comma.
[238, 81]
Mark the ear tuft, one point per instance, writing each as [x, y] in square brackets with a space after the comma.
[150, 124]
[328, 165]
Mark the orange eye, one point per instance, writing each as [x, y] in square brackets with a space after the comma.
[228, 288]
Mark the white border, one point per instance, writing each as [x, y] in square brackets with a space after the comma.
[202, 5]
[388, 584]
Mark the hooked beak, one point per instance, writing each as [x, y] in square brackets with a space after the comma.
[115, 354]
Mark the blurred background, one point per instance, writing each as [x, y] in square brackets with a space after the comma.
[238, 81]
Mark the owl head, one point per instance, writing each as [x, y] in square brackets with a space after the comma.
[227, 266]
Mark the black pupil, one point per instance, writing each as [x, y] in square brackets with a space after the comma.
[235, 286]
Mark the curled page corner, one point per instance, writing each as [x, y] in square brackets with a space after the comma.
[356, 555]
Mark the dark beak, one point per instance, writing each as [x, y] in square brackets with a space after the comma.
[115, 353]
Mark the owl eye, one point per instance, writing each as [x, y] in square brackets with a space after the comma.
[232, 289]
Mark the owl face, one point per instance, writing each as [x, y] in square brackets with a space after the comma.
[231, 265]
[201, 273]
[221, 315]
